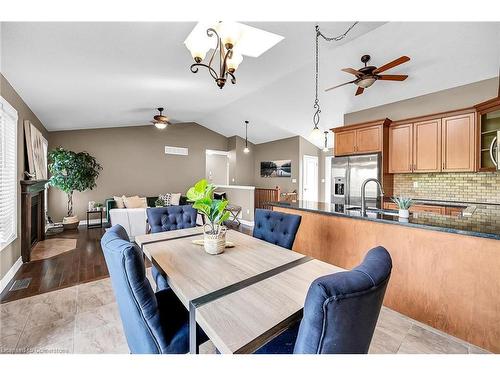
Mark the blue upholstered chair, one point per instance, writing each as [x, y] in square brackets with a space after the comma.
[276, 227]
[340, 312]
[162, 219]
[153, 323]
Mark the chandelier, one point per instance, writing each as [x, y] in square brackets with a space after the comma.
[229, 41]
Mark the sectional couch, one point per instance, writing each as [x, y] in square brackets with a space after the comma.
[134, 220]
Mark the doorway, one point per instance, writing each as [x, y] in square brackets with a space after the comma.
[310, 178]
[217, 167]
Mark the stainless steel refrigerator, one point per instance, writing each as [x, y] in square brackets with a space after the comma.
[348, 174]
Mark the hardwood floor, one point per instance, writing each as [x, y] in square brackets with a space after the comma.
[83, 264]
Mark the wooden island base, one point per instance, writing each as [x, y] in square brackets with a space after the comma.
[446, 280]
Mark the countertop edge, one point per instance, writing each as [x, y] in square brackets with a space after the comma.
[382, 221]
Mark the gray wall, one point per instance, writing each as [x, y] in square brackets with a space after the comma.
[441, 101]
[12, 252]
[283, 149]
[134, 161]
[241, 165]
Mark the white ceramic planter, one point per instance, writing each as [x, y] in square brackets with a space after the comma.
[404, 214]
[214, 243]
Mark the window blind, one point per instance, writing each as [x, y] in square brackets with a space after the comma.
[8, 173]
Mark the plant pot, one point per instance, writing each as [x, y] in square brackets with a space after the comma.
[70, 222]
[214, 243]
[404, 214]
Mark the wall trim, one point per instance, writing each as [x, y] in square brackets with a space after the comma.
[247, 222]
[10, 274]
[92, 221]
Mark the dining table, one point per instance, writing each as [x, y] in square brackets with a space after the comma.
[241, 298]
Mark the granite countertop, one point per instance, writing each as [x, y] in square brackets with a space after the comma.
[484, 222]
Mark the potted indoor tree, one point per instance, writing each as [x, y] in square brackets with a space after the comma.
[215, 214]
[72, 171]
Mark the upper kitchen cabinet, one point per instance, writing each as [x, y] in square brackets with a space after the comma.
[437, 143]
[345, 143]
[360, 138]
[400, 148]
[458, 143]
[427, 146]
[488, 131]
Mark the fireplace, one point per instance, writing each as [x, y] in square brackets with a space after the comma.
[32, 215]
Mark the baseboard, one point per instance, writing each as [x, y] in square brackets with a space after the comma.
[10, 274]
[92, 222]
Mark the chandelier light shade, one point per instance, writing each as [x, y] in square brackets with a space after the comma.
[229, 41]
[246, 150]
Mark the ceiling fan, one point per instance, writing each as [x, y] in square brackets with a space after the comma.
[367, 75]
[160, 121]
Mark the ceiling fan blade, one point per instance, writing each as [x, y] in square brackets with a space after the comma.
[352, 71]
[392, 64]
[359, 91]
[394, 77]
[343, 84]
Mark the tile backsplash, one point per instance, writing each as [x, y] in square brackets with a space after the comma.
[468, 187]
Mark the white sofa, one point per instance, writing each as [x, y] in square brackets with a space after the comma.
[134, 220]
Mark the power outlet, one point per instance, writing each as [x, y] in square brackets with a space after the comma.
[415, 184]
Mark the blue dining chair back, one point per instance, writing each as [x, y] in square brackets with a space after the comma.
[162, 219]
[341, 310]
[276, 227]
[153, 323]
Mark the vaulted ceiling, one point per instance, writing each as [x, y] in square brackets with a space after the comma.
[90, 75]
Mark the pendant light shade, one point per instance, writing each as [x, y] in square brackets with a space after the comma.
[325, 149]
[246, 150]
[315, 134]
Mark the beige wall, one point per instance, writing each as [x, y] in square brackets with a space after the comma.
[283, 149]
[241, 197]
[134, 161]
[11, 253]
[441, 101]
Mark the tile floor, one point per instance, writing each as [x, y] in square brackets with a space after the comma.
[85, 319]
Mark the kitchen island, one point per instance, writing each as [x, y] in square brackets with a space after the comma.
[445, 269]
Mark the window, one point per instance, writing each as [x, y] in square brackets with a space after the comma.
[8, 173]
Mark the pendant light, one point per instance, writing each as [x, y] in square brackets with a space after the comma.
[246, 150]
[325, 149]
[316, 132]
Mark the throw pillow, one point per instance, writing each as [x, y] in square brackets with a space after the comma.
[166, 198]
[175, 199]
[135, 202]
[119, 202]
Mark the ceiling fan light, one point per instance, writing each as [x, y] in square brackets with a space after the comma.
[366, 82]
[160, 125]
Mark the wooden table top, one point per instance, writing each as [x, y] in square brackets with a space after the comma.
[242, 321]
[193, 273]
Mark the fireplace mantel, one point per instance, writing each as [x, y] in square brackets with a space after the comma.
[32, 193]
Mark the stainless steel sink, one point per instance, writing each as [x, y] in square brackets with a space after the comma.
[371, 210]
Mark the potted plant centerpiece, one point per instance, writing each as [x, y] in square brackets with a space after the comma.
[72, 171]
[215, 214]
[404, 205]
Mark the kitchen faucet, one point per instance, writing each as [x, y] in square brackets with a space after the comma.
[363, 188]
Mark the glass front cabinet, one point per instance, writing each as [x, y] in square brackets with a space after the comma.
[488, 117]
